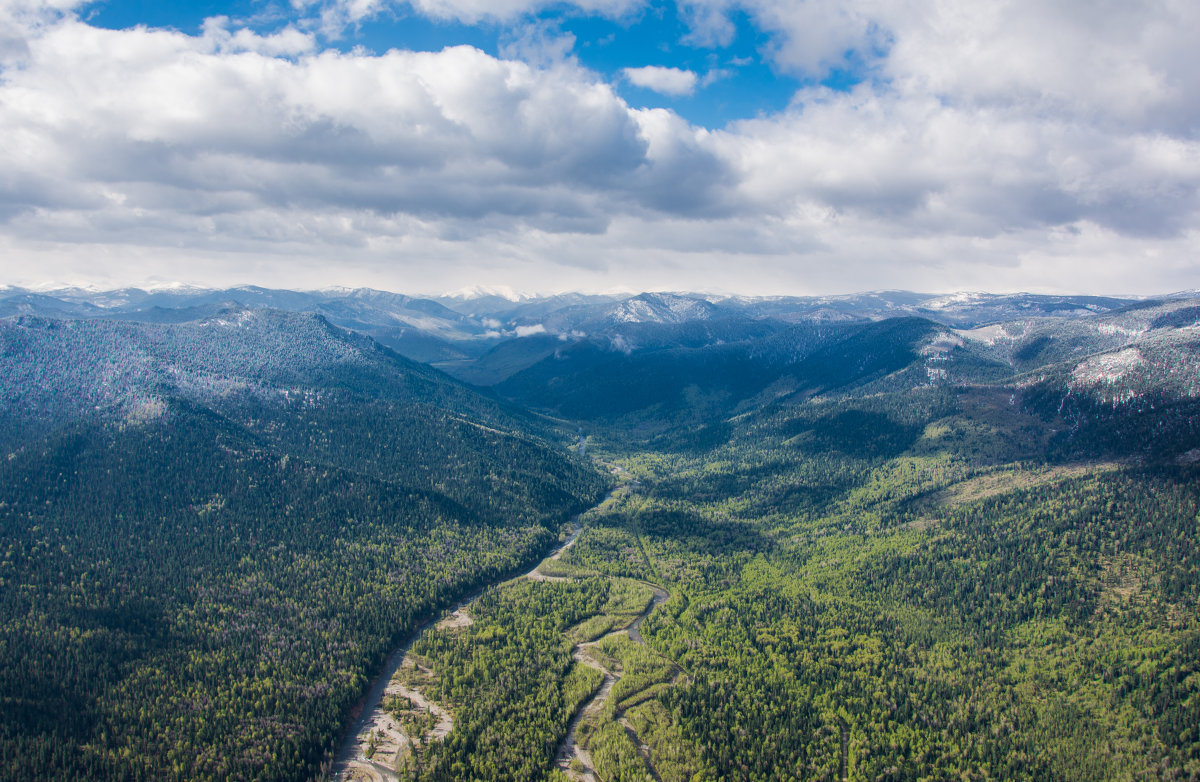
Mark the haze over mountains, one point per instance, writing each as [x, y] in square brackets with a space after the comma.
[607, 356]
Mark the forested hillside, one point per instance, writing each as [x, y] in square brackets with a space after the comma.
[893, 537]
[924, 585]
[897, 550]
[213, 532]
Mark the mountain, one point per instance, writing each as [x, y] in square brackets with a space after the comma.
[214, 531]
[1030, 342]
[456, 330]
[894, 535]
[590, 356]
[522, 309]
[972, 309]
[627, 373]
[16, 301]
[1097, 380]
[420, 327]
[661, 308]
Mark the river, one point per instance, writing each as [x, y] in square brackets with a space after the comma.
[348, 750]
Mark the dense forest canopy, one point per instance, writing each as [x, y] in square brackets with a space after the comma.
[886, 537]
[213, 533]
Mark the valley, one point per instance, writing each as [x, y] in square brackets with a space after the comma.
[886, 536]
[400, 749]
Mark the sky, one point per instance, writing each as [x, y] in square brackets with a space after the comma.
[736, 146]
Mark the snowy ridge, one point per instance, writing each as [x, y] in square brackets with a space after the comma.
[661, 308]
[484, 291]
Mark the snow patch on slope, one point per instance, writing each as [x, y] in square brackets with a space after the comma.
[988, 335]
[1107, 368]
[961, 299]
[941, 344]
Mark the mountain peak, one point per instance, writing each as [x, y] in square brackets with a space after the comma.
[485, 291]
[661, 308]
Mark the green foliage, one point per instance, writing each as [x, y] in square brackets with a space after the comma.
[205, 597]
[955, 607]
[615, 756]
[509, 679]
[873, 573]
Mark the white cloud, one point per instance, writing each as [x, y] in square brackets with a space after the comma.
[1116, 61]
[214, 123]
[20, 18]
[537, 43]
[668, 81]
[1041, 146]
[814, 37]
[287, 42]
[708, 22]
[715, 75]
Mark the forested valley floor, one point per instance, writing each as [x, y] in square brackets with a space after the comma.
[857, 594]
[884, 589]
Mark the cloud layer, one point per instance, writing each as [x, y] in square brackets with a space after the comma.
[1041, 145]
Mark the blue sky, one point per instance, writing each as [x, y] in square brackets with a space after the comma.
[741, 83]
[742, 146]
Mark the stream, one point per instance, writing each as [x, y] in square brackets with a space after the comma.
[349, 755]
[570, 748]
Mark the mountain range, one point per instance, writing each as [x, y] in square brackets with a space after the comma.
[220, 509]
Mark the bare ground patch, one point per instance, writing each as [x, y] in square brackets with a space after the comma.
[455, 621]
[1012, 479]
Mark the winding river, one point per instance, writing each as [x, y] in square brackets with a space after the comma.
[349, 756]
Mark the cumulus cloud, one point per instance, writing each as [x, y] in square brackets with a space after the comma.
[128, 125]
[1123, 62]
[21, 18]
[668, 81]
[985, 146]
